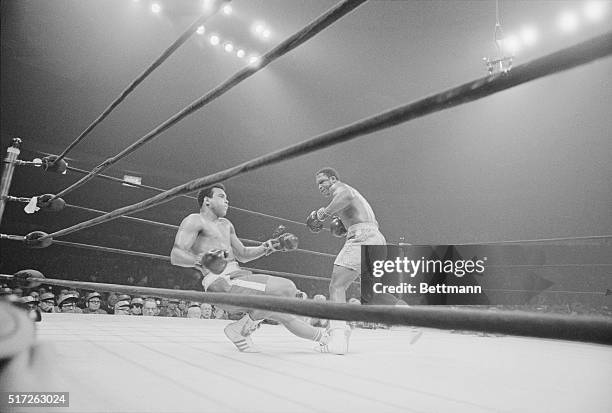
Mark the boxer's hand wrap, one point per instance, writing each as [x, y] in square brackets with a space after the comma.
[313, 223]
[284, 242]
[337, 228]
[214, 261]
[322, 214]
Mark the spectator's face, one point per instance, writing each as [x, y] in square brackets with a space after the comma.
[136, 309]
[68, 306]
[47, 305]
[122, 311]
[206, 310]
[149, 309]
[63, 292]
[164, 302]
[182, 305]
[172, 306]
[219, 313]
[94, 303]
[112, 300]
[194, 312]
[34, 294]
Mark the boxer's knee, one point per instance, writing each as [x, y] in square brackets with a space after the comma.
[281, 287]
[341, 279]
[289, 289]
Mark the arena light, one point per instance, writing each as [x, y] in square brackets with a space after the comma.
[201, 30]
[214, 40]
[266, 33]
[258, 28]
[595, 10]
[529, 35]
[207, 5]
[227, 10]
[156, 8]
[512, 44]
[568, 21]
[254, 61]
[240, 53]
[229, 47]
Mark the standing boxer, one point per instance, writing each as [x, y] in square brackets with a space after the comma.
[347, 209]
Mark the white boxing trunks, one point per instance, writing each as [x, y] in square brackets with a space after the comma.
[236, 277]
[364, 233]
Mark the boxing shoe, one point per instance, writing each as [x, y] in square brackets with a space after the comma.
[336, 342]
[239, 333]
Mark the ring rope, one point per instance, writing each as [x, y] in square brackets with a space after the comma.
[165, 258]
[284, 47]
[313, 277]
[579, 54]
[525, 241]
[165, 225]
[581, 265]
[159, 190]
[503, 290]
[596, 329]
[166, 54]
[162, 257]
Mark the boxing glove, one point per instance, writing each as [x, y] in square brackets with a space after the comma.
[313, 223]
[337, 228]
[214, 260]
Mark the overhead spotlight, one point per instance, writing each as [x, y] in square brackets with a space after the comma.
[266, 33]
[254, 61]
[529, 35]
[227, 10]
[229, 47]
[568, 21]
[240, 53]
[207, 5]
[512, 44]
[201, 30]
[595, 10]
[214, 40]
[155, 8]
[258, 28]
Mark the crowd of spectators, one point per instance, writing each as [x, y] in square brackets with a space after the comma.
[47, 299]
[92, 302]
[64, 300]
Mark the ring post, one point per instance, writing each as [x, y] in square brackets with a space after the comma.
[12, 152]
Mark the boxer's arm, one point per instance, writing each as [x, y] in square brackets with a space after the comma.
[242, 253]
[186, 236]
[341, 200]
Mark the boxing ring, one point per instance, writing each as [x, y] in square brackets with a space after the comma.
[149, 364]
[428, 361]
